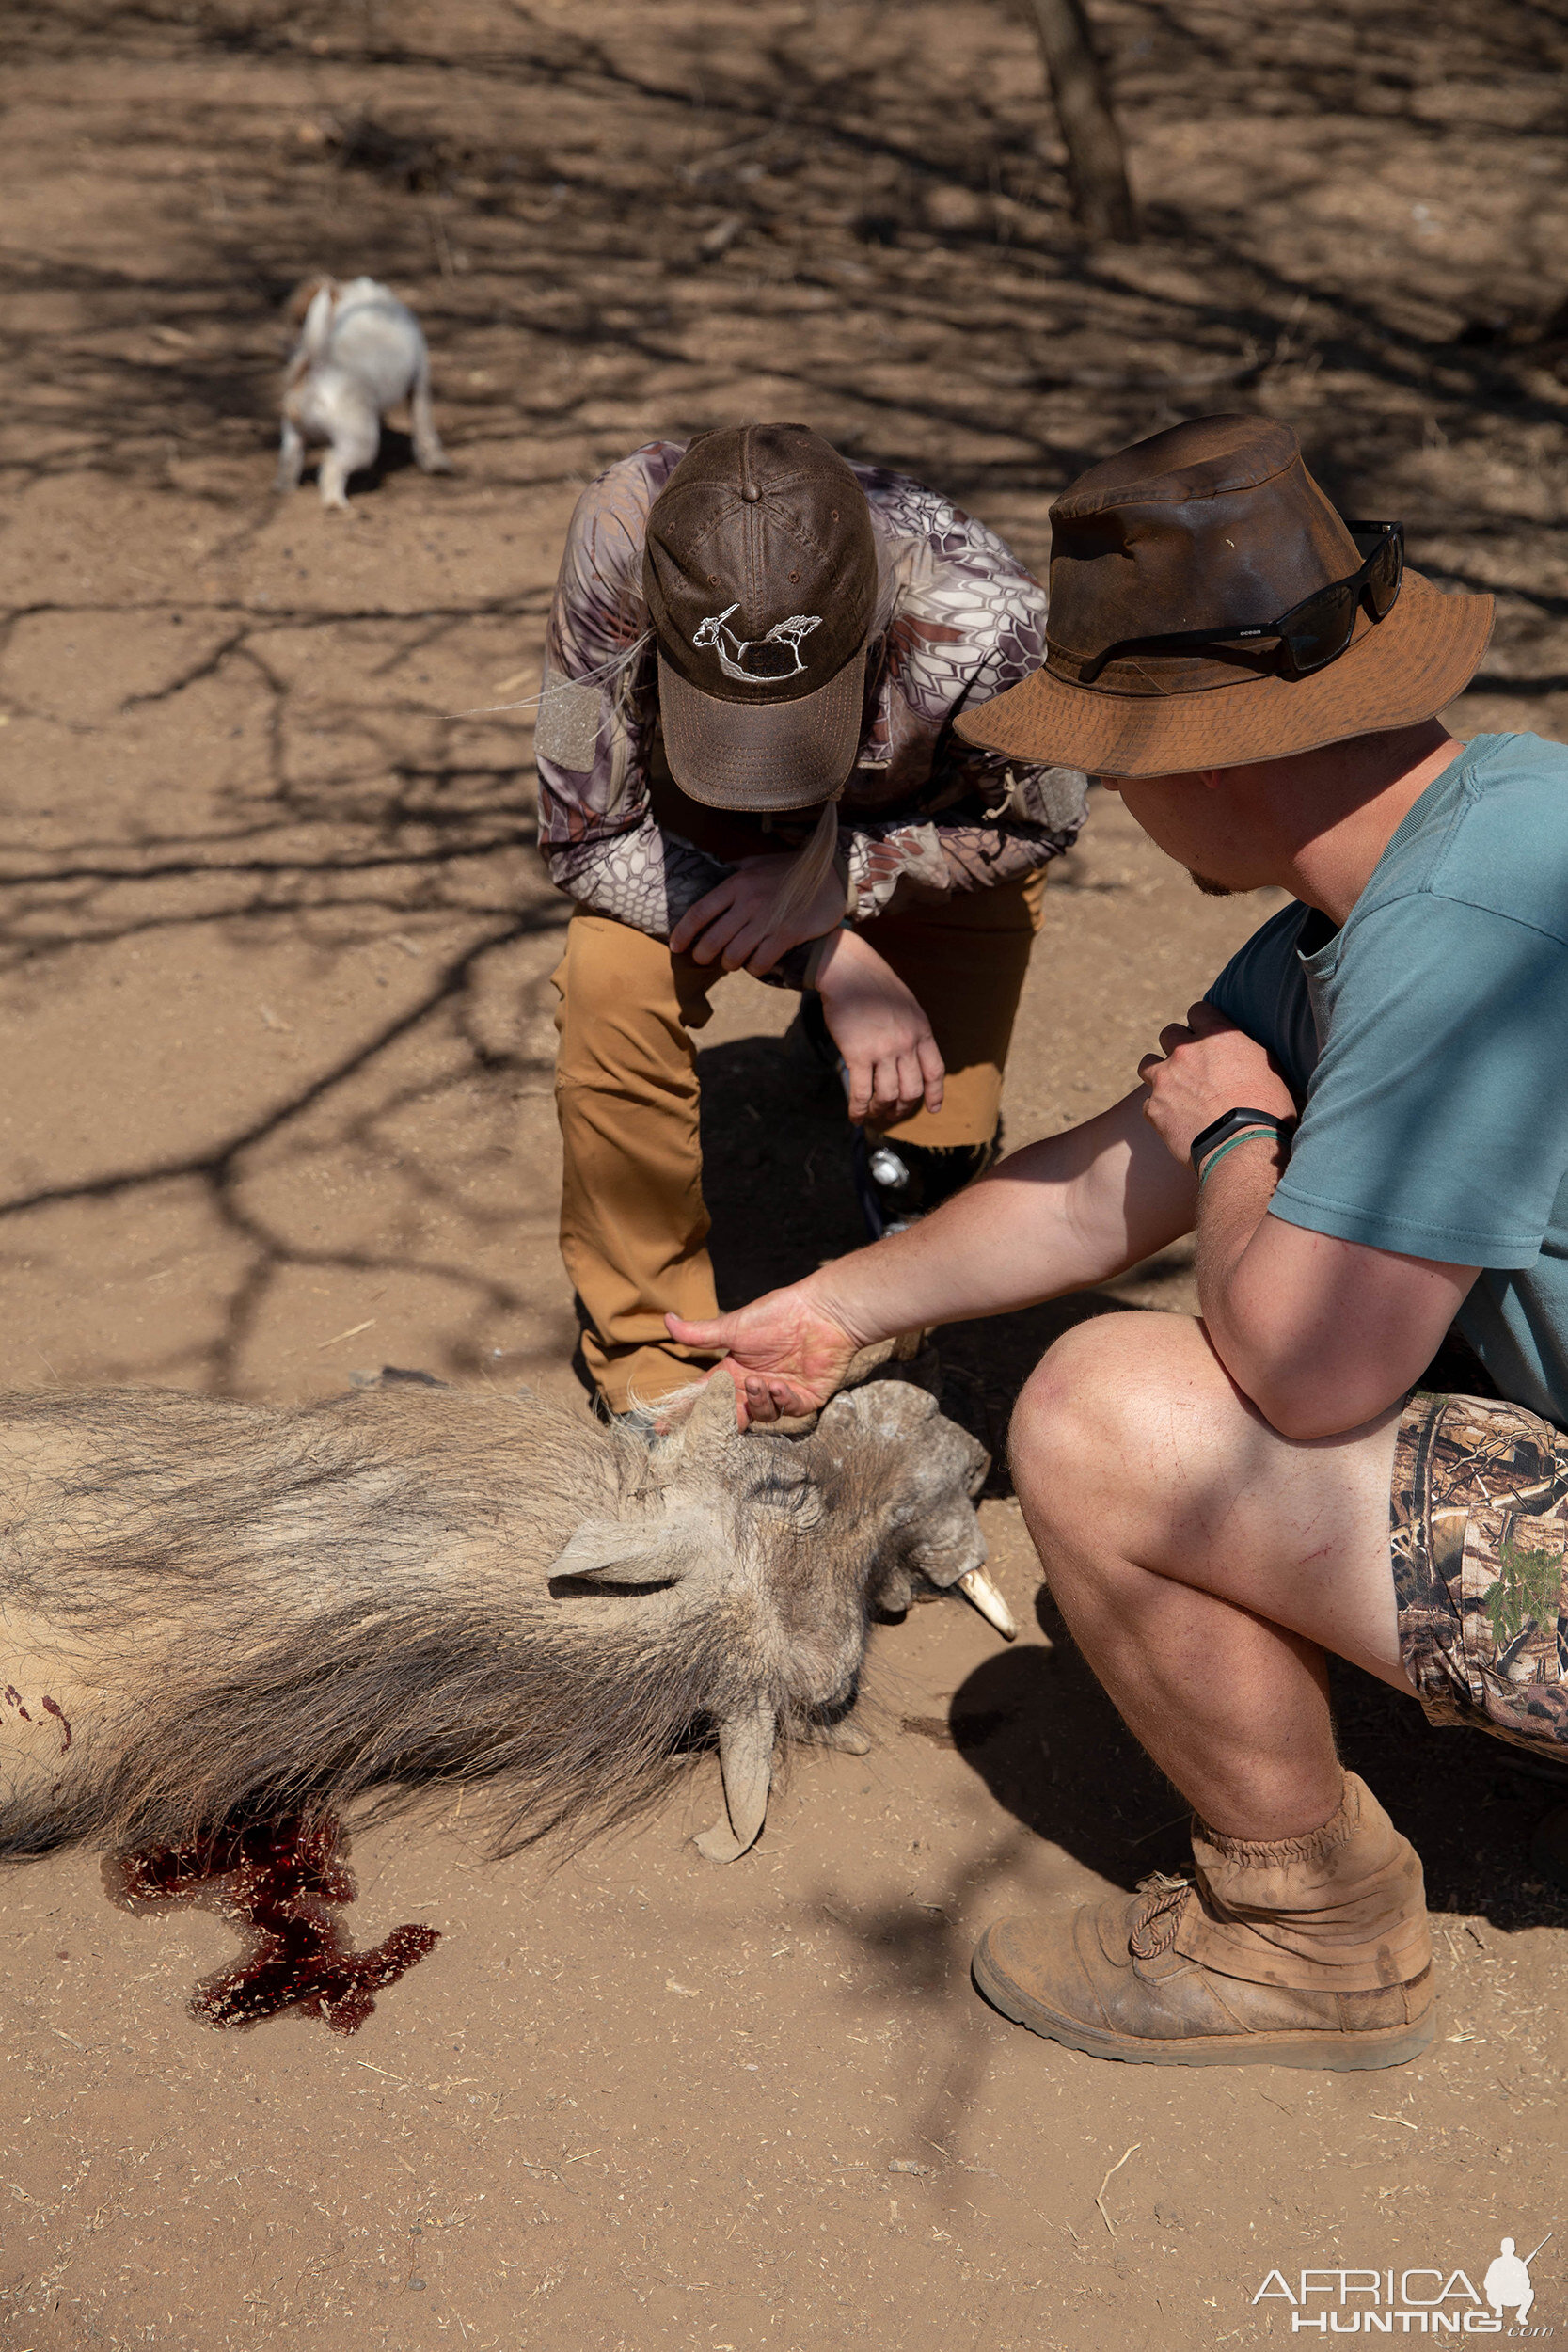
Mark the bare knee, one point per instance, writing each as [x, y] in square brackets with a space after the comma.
[1076, 1444]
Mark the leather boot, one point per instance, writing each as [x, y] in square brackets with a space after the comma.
[1313, 1951]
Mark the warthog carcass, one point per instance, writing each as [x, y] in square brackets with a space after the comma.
[212, 1612]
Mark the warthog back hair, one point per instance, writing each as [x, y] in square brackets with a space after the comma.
[212, 1612]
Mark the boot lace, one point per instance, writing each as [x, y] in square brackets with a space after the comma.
[1158, 1917]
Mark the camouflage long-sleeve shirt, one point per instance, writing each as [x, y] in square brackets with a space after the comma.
[965, 621]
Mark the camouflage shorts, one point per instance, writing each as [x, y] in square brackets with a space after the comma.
[1479, 1520]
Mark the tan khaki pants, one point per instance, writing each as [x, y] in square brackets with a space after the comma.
[633, 1226]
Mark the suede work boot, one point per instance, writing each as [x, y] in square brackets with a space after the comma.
[1314, 1951]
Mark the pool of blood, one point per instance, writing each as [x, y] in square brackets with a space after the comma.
[279, 1883]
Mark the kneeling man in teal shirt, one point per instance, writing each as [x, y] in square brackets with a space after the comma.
[1366, 1122]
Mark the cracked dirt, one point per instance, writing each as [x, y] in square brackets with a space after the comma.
[273, 996]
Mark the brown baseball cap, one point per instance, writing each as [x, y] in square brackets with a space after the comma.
[1211, 526]
[760, 571]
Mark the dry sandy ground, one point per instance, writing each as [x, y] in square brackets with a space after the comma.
[274, 957]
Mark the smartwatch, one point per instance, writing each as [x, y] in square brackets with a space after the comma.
[1237, 1123]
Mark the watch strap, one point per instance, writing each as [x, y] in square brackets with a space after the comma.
[1235, 1122]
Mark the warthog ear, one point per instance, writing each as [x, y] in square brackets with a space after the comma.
[746, 1762]
[696, 1419]
[639, 1552]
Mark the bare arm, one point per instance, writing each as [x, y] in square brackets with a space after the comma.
[1322, 1334]
[1058, 1215]
[878, 1023]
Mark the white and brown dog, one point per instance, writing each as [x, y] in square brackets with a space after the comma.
[361, 352]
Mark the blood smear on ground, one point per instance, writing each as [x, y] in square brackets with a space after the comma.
[277, 1881]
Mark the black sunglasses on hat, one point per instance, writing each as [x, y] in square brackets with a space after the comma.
[1314, 632]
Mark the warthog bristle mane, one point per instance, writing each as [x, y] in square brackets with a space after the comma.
[366, 1700]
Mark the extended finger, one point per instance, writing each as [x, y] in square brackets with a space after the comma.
[756, 945]
[717, 936]
[782, 1400]
[762, 959]
[885, 1091]
[717, 1333]
[700, 913]
[933, 1071]
[744, 941]
[911, 1083]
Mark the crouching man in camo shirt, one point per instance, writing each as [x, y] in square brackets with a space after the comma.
[746, 759]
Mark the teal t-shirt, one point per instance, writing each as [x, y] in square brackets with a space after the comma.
[1427, 1041]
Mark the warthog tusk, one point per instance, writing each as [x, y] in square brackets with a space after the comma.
[746, 1768]
[975, 1585]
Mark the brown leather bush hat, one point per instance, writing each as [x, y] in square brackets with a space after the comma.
[1214, 524]
[760, 572]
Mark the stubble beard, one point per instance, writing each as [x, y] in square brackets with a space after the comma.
[1209, 888]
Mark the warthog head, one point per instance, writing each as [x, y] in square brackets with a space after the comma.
[794, 1542]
